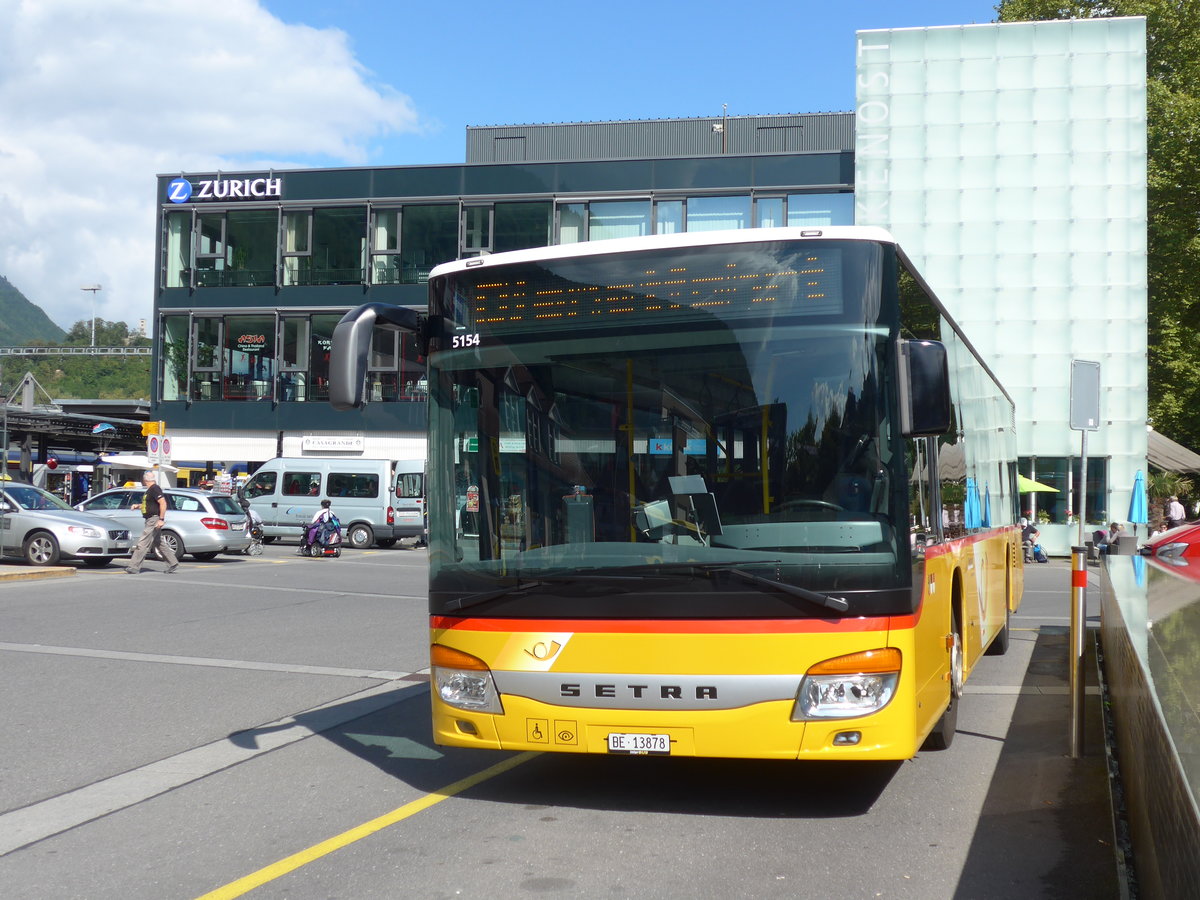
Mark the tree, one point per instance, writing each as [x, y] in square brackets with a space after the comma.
[1173, 194]
[108, 334]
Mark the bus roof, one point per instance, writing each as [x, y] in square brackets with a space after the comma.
[669, 241]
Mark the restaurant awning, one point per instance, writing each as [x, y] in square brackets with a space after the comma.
[1163, 453]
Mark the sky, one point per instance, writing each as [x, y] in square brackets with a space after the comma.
[96, 99]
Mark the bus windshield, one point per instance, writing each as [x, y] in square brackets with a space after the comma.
[701, 432]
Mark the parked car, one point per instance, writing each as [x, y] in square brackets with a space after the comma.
[199, 523]
[1178, 548]
[39, 527]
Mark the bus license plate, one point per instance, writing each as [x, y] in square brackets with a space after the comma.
[625, 742]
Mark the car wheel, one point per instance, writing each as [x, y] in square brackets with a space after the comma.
[360, 536]
[268, 540]
[97, 562]
[206, 556]
[41, 549]
[172, 540]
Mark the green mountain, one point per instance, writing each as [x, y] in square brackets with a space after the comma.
[22, 321]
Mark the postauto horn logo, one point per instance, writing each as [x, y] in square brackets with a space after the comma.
[180, 190]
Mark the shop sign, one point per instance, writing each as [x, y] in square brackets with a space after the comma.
[181, 190]
[343, 443]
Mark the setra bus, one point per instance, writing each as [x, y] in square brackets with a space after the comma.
[729, 494]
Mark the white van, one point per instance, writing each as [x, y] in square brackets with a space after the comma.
[378, 501]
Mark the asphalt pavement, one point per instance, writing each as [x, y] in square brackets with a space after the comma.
[1045, 826]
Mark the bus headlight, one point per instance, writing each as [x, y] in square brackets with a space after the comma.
[463, 681]
[848, 686]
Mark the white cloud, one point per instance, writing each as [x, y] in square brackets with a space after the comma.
[98, 98]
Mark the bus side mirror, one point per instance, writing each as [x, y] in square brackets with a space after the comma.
[352, 343]
[924, 388]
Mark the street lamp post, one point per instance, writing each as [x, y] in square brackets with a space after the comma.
[93, 288]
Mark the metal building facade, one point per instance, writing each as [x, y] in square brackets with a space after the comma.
[661, 138]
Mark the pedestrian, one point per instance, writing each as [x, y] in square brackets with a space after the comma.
[1175, 512]
[154, 511]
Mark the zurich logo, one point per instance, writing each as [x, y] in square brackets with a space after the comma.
[179, 190]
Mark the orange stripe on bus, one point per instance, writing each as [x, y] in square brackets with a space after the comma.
[681, 626]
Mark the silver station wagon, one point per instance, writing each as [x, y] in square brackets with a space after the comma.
[38, 527]
[199, 523]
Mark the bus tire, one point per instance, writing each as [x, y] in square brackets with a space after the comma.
[942, 735]
[999, 645]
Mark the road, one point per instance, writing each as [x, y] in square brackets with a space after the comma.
[259, 726]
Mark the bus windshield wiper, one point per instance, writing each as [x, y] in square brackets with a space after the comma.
[645, 571]
[736, 569]
[482, 597]
[835, 603]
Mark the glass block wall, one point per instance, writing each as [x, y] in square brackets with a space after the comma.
[1010, 162]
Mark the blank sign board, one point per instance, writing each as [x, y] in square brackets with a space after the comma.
[1085, 395]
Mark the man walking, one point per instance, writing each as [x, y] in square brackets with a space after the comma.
[154, 510]
[1175, 512]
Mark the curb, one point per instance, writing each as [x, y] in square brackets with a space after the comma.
[20, 573]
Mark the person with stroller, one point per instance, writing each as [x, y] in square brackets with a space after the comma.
[319, 528]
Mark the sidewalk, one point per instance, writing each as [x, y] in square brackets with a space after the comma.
[20, 572]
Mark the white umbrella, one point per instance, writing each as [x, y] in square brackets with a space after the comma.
[136, 461]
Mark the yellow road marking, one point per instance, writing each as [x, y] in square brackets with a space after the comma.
[289, 864]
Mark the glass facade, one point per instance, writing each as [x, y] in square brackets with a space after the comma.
[1010, 163]
[282, 354]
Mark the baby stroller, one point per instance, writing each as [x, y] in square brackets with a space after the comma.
[322, 538]
[254, 531]
[254, 526]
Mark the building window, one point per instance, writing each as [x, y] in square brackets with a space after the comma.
[174, 357]
[618, 219]
[811, 210]
[249, 358]
[177, 249]
[521, 225]
[206, 357]
[237, 248]
[717, 213]
[339, 246]
[572, 223]
[768, 212]
[1060, 506]
[297, 247]
[668, 217]
[293, 358]
[428, 236]
[320, 342]
[385, 246]
[477, 230]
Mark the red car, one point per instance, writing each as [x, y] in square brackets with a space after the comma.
[1178, 549]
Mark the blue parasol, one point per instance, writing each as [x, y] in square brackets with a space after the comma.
[102, 427]
[972, 517]
[1138, 511]
[987, 507]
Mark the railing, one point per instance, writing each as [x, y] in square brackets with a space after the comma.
[75, 351]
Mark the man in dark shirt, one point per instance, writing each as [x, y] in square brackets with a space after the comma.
[154, 510]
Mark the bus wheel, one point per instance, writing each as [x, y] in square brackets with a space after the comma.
[999, 646]
[942, 735]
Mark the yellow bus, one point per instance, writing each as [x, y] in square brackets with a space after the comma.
[727, 494]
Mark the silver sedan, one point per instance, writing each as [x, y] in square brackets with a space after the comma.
[200, 523]
[38, 527]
